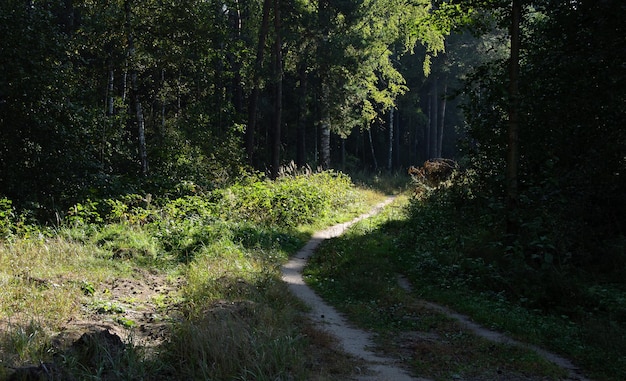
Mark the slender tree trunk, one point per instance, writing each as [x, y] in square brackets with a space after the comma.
[141, 128]
[324, 21]
[390, 159]
[325, 143]
[163, 104]
[237, 92]
[109, 96]
[317, 150]
[254, 96]
[434, 107]
[125, 83]
[513, 124]
[396, 138]
[278, 91]
[442, 119]
[325, 126]
[412, 139]
[343, 154]
[109, 109]
[426, 134]
[369, 134]
[301, 134]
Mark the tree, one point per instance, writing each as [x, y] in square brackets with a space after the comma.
[254, 97]
[513, 119]
[539, 146]
[136, 101]
[278, 90]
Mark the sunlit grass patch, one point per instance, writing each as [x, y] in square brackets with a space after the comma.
[201, 273]
[45, 279]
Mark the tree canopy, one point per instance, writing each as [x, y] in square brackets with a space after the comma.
[105, 98]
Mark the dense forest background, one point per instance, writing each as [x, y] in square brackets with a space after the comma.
[102, 98]
[110, 97]
[159, 132]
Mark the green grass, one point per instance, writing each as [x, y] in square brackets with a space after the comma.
[201, 271]
[358, 273]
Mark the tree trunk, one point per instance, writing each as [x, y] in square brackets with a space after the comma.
[369, 134]
[141, 128]
[426, 134]
[109, 96]
[163, 105]
[513, 123]
[323, 57]
[254, 96]
[434, 112]
[278, 92]
[396, 139]
[343, 154]
[237, 92]
[325, 126]
[442, 119]
[301, 135]
[325, 143]
[390, 159]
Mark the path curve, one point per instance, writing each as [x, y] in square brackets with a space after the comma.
[353, 341]
[358, 342]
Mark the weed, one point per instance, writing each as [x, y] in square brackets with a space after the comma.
[358, 273]
[22, 343]
[228, 317]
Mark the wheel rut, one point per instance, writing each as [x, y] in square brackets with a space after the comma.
[353, 341]
[359, 343]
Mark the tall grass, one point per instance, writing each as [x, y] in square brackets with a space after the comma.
[230, 317]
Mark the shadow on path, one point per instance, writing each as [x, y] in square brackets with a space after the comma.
[357, 342]
[353, 341]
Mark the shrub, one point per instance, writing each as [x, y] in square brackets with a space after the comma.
[6, 217]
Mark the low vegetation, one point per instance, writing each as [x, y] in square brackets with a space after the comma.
[186, 286]
[179, 287]
[455, 254]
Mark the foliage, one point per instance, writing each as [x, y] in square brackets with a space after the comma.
[531, 281]
[289, 201]
[570, 182]
[6, 217]
[358, 273]
[228, 305]
[80, 76]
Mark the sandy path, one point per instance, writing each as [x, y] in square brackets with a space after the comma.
[354, 341]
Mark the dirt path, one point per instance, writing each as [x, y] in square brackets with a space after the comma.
[354, 341]
[358, 342]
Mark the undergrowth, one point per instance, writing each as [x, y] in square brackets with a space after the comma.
[230, 316]
[451, 245]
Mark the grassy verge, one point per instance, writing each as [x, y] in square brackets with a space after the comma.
[358, 273]
[184, 287]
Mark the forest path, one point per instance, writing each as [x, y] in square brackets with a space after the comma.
[357, 342]
[353, 341]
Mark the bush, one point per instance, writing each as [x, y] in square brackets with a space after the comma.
[288, 201]
[6, 217]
